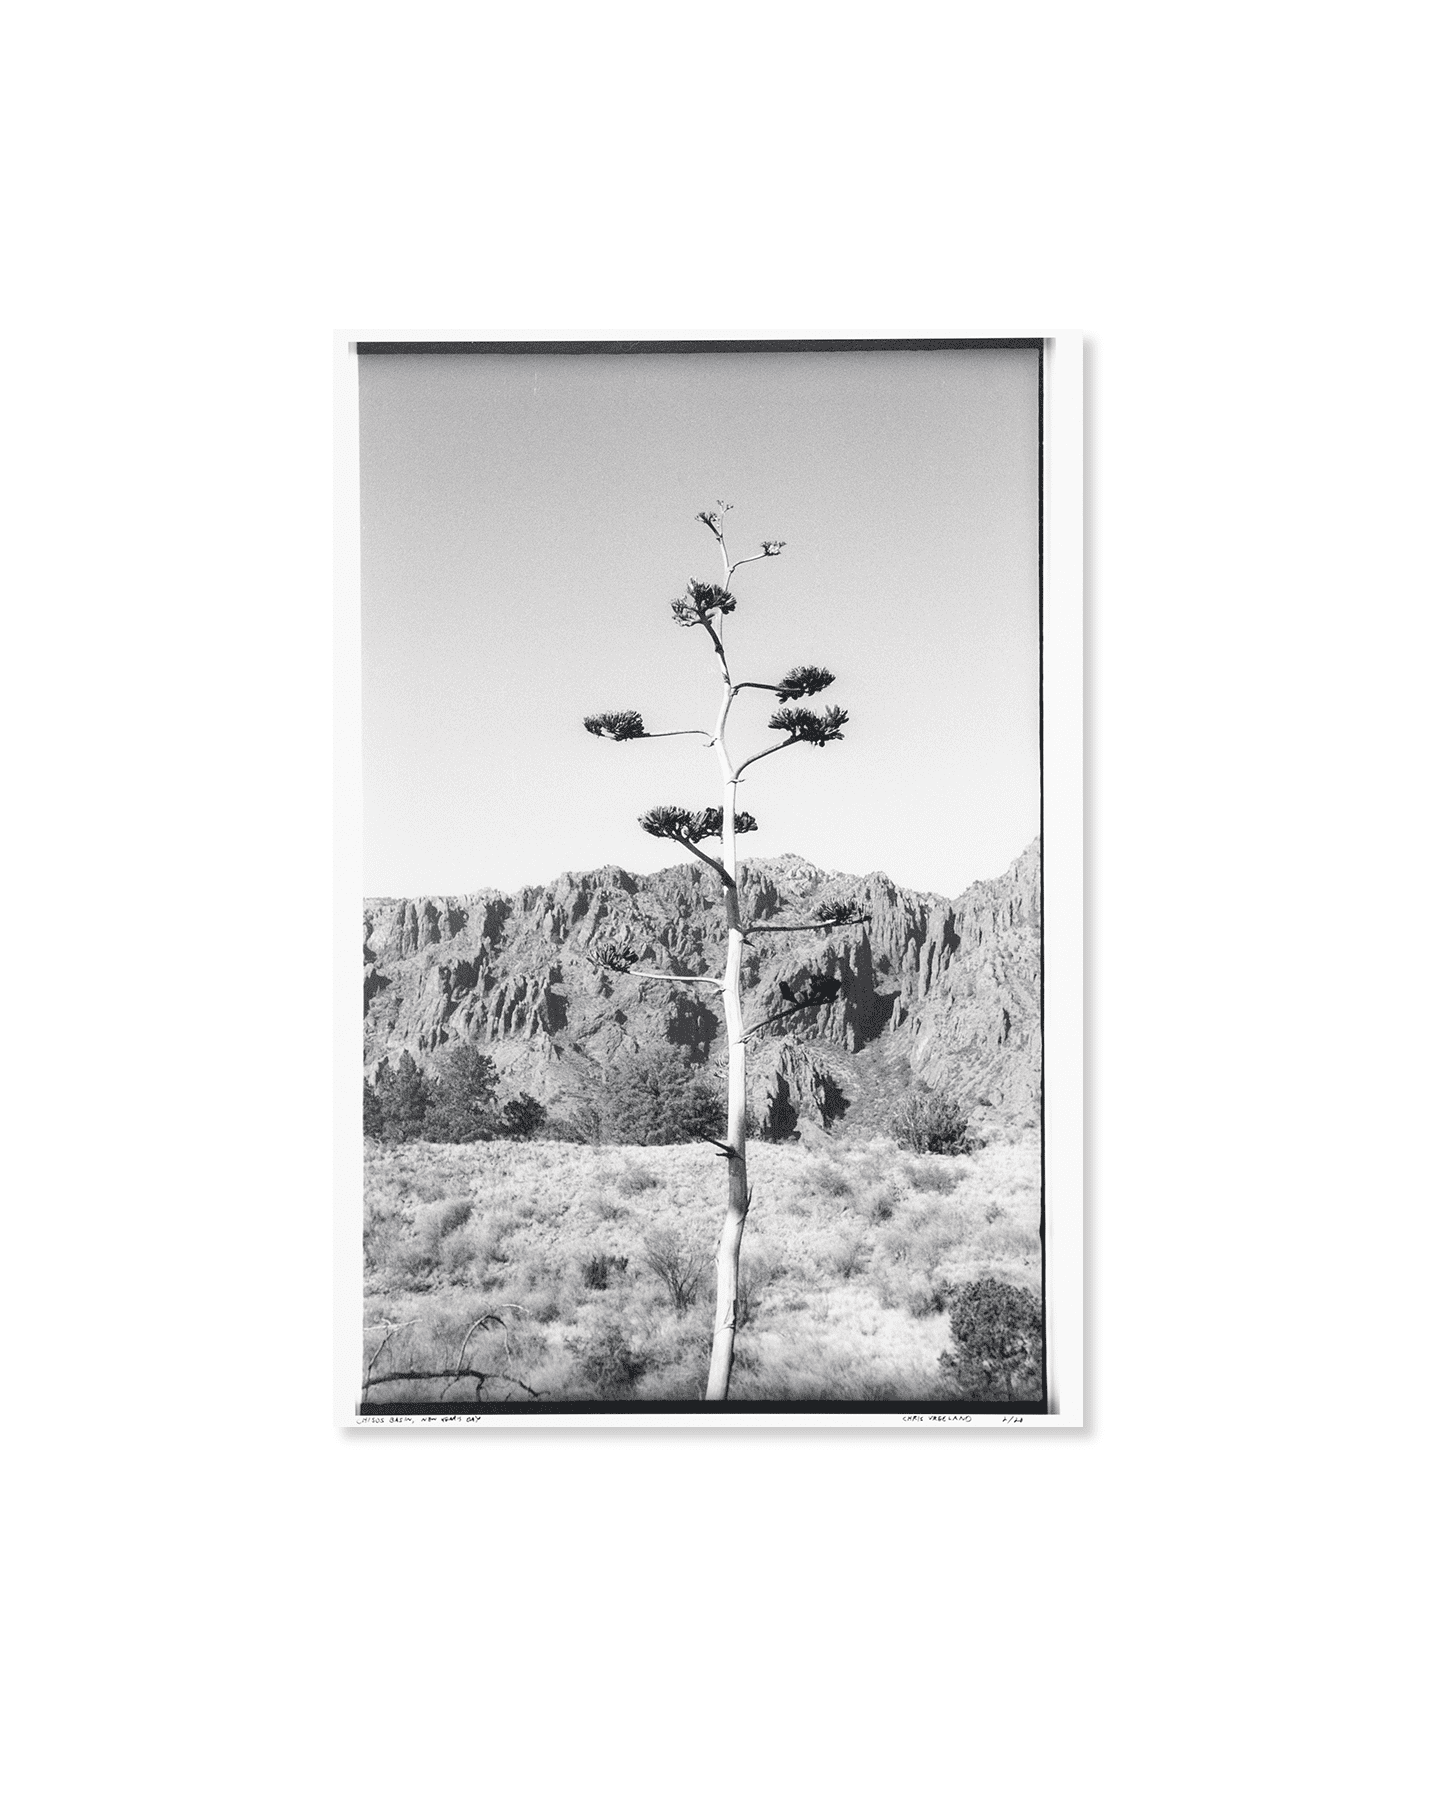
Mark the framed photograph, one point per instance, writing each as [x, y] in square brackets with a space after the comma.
[709, 857]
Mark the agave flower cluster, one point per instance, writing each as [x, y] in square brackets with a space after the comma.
[614, 957]
[700, 602]
[806, 727]
[686, 827]
[796, 684]
[816, 990]
[618, 726]
[838, 912]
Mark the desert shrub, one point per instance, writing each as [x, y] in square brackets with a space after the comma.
[997, 1334]
[492, 1240]
[931, 1125]
[433, 1224]
[608, 1359]
[384, 1230]
[829, 1178]
[925, 1296]
[414, 1262]
[457, 1253]
[597, 1270]
[635, 1179]
[452, 1215]
[932, 1178]
[677, 1357]
[933, 1240]
[522, 1117]
[882, 1207]
[657, 1098]
[844, 1254]
[1007, 1238]
[680, 1266]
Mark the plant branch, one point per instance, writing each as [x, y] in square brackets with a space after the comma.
[760, 755]
[718, 867]
[814, 924]
[774, 1018]
[487, 1323]
[719, 651]
[478, 1376]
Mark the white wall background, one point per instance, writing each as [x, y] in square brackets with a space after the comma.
[1219, 1587]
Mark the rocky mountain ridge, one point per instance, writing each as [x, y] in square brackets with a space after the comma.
[946, 992]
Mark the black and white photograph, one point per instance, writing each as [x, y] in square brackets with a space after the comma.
[720, 773]
[702, 1071]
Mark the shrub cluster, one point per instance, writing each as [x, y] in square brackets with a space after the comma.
[931, 1125]
[998, 1334]
[455, 1105]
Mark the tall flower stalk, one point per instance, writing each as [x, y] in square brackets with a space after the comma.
[705, 606]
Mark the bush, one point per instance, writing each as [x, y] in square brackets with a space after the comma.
[932, 1178]
[596, 1271]
[521, 1117]
[998, 1335]
[845, 1254]
[931, 1125]
[679, 1265]
[923, 1297]
[607, 1358]
[829, 1178]
[452, 1215]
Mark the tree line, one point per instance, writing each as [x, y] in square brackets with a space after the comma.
[458, 1103]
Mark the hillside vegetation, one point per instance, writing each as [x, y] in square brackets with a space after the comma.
[567, 1271]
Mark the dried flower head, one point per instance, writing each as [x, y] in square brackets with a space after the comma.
[839, 912]
[616, 725]
[686, 827]
[807, 679]
[810, 990]
[806, 727]
[701, 601]
[772, 546]
[713, 518]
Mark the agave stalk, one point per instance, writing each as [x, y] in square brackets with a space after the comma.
[706, 606]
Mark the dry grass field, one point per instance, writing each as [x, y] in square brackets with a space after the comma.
[571, 1272]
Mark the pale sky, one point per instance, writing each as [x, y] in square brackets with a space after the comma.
[526, 521]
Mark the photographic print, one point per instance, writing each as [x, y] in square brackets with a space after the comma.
[704, 977]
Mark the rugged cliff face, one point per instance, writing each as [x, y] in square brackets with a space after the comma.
[947, 991]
